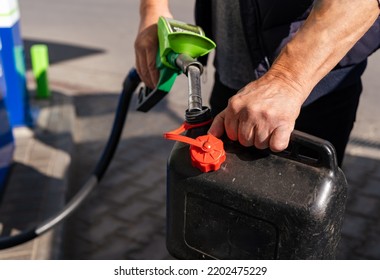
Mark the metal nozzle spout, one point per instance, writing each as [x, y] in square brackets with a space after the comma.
[193, 70]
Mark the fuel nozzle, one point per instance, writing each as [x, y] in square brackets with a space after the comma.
[206, 151]
[179, 46]
[193, 69]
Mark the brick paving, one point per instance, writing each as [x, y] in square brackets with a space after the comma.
[125, 217]
[360, 234]
[38, 183]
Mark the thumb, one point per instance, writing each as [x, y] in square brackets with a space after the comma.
[217, 126]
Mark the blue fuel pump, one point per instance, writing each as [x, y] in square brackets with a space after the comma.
[12, 53]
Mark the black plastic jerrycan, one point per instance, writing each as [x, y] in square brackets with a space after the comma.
[258, 204]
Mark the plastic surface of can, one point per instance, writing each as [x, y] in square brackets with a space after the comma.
[258, 205]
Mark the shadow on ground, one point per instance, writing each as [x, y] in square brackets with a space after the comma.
[124, 218]
[59, 52]
[24, 201]
[361, 227]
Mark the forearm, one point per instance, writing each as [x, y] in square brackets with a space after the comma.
[151, 10]
[330, 31]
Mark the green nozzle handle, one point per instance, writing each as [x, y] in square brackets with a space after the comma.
[181, 38]
[174, 38]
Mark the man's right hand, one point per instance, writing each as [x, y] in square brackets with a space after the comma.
[146, 43]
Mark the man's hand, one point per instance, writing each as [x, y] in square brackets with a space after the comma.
[146, 43]
[146, 46]
[262, 114]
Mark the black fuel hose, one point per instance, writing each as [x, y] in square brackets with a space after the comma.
[130, 84]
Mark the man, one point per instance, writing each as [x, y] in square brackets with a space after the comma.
[280, 65]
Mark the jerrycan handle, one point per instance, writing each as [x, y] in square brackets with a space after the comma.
[326, 151]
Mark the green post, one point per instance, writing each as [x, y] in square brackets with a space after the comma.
[40, 64]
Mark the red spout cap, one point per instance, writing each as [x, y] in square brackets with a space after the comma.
[209, 155]
[206, 151]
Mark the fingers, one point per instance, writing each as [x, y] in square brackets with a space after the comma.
[146, 68]
[146, 46]
[260, 126]
[262, 138]
[217, 126]
[142, 69]
[280, 138]
[231, 126]
[276, 139]
[248, 135]
[151, 62]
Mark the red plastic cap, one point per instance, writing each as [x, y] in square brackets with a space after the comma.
[209, 155]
